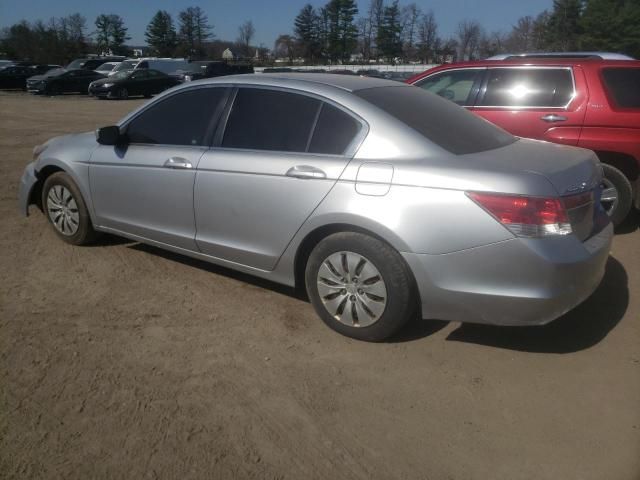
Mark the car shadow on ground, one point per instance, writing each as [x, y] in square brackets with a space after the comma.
[630, 224]
[579, 329]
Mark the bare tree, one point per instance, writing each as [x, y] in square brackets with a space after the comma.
[427, 37]
[246, 31]
[469, 35]
[410, 16]
[374, 20]
[522, 36]
[285, 46]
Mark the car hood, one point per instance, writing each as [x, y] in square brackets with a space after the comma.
[102, 81]
[80, 145]
[51, 73]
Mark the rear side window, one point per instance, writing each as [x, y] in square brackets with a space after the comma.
[454, 85]
[447, 125]
[623, 85]
[528, 87]
[270, 120]
[334, 131]
[181, 119]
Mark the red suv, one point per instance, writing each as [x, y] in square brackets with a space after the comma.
[591, 102]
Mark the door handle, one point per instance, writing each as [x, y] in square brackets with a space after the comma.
[305, 171]
[552, 117]
[178, 162]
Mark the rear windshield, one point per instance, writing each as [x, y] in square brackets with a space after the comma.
[623, 84]
[441, 121]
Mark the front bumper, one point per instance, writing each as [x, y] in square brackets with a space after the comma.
[27, 183]
[99, 92]
[516, 282]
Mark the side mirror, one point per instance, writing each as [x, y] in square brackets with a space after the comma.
[108, 135]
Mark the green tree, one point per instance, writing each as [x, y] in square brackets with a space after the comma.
[111, 34]
[389, 37]
[161, 35]
[563, 29]
[611, 25]
[306, 29]
[343, 33]
[194, 31]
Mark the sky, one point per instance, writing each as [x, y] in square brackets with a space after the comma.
[270, 17]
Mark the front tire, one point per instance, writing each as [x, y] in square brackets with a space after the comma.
[617, 194]
[66, 210]
[360, 286]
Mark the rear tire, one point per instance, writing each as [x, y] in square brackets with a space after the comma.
[360, 286]
[66, 210]
[617, 194]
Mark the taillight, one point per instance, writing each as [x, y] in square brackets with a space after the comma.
[526, 216]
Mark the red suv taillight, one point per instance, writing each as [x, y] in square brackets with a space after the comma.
[526, 216]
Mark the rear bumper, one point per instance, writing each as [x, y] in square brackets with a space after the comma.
[27, 182]
[515, 282]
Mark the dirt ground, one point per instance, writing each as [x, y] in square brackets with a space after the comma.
[123, 361]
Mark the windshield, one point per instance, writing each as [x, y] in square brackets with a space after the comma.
[120, 75]
[76, 64]
[54, 72]
[126, 65]
[105, 67]
[441, 121]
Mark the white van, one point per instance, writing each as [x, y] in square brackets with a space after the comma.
[166, 65]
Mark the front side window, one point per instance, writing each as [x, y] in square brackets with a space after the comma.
[454, 85]
[264, 119]
[528, 87]
[623, 85]
[181, 119]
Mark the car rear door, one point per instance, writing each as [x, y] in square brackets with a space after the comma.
[145, 188]
[276, 158]
[540, 102]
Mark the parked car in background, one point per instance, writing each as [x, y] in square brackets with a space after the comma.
[107, 68]
[211, 69]
[6, 63]
[63, 81]
[122, 85]
[384, 201]
[91, 63]
[169, 66]
[591, 102]
[15, 77]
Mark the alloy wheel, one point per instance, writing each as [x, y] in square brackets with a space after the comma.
[352, 289]
[609, 196]
[63, 210]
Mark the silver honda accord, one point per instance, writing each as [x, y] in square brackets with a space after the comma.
[384, 201]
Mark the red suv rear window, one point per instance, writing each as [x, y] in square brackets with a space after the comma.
[623, 85]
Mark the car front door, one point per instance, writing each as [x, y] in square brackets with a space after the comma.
[545, 103]
[145, 187]
[277, 158]
[137, 82]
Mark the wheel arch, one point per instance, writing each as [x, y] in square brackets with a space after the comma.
[315, 236]
[35, 196]
[626, 163]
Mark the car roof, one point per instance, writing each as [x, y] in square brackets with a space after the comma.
[559, 55]
[349, 83]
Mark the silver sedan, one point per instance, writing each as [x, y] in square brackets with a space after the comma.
[384, 201]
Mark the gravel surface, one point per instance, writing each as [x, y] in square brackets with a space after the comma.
[123, 361]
